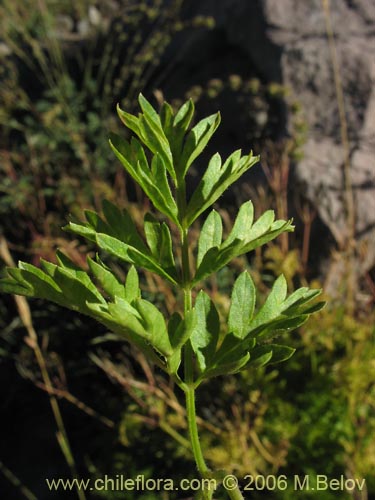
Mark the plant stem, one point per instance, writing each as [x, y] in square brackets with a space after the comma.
[235, 494]
[193, 431]
[189, 387]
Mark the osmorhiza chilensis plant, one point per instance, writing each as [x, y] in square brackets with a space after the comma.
[188, 347]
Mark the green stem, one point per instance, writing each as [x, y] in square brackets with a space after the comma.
[235, 494]
[193, 432]
[189, 387]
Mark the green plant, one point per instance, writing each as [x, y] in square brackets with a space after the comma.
[188, 346]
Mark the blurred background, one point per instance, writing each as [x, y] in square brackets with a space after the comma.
[294, 81]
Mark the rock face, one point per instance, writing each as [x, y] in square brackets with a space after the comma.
[286, 41]
[299, 28]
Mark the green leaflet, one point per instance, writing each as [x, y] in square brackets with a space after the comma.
[278, 227]
[183, 118]
[260, 227]
[232, 355]
[152, 232]
[179, 332]
[125, 326]
[243, 238]
[242, 305]
[25, 283]
[159, 240]
[273, 306]
[272, 329]
[205, 334]
[231, 349]
[122, 240]
[122, 227]
[245, 344]
[210, 236]
[45, 287]
[175, 128]
[68, 267]
[76, 285]
[298, 298]
[141, 318]
[67, 286]
[159, 178]
[118, 224]
[110, 284]
[226, 368]
[154, 136]
[129, 120]
[197, 140]
[181, 329]
[128, 316]
[270, 354]
[174, 329]
[149, 129]
[242, 224]
[95, 222]
[150, 112]
[106, 279]
[133, 159]
[216, 179]
[81, 230]
[16, 276]
[166, 119]
[280, 313]
[235, 355]
[9, 285]
[155, 326]
[130, 254]
[132, 290]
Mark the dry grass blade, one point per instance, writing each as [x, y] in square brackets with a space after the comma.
[32, 341]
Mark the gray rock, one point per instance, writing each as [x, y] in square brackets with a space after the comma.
[286, 40]
[299, 28]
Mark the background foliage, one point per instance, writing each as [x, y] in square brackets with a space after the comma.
[63, 67]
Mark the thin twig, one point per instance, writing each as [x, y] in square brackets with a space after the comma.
[17, 482]
[61, 393]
